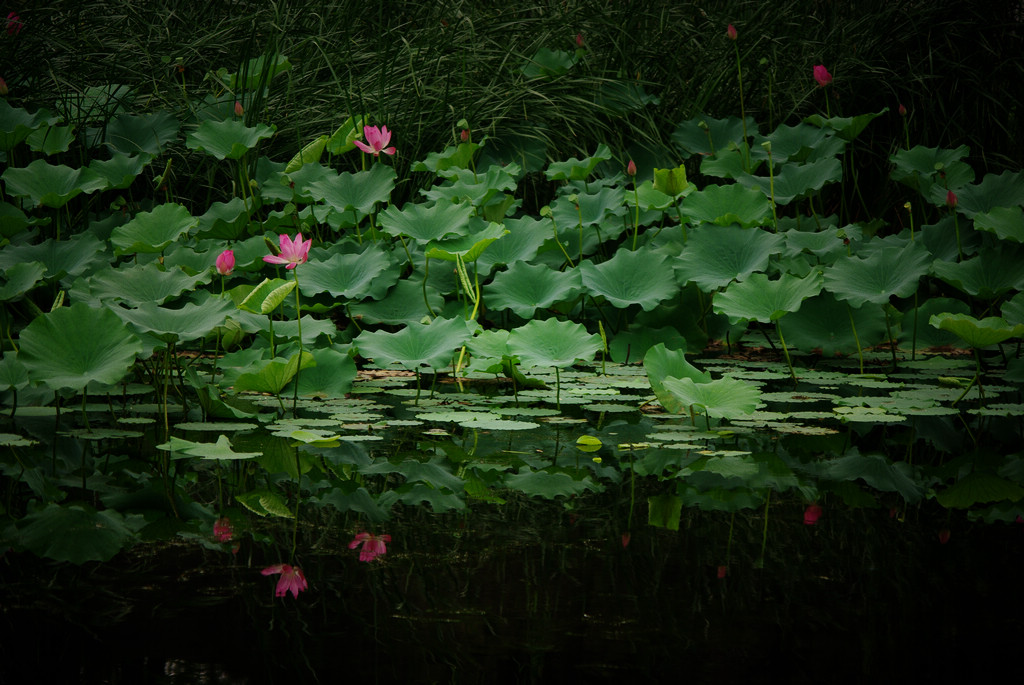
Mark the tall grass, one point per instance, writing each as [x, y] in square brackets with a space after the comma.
[421, 67]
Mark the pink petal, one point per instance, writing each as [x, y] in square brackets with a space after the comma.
[389, 150]
[271, 570]
[363, 146]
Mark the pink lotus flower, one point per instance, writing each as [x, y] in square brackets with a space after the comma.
[812, 514]
[731, 32]
[292, 252]
[226, 262]
[292, 579]
[951, 199]
[822, 76]
[239, 110]
[222, 530]
[631, 168]
[373, 545]
[14, 25]
[464, 135]
[377, 139]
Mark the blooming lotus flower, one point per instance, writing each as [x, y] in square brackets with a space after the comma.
[822, 76]
[292, 579]
[373, 545]
[730, 32]
[377, 139]
[812, 514]
[226, 262]
[292, 252]
[14, 24]
[222, 530]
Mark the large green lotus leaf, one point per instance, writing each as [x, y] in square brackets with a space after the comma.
[76, 533]
[228, 139]
[524, 239]
[634, 342]
[437, 472]
[989, 275]
[51, 185]
[724, 205]
[491, 344]
[594, 208]
[359, 191]
[920, 167]
[692, 138]
[468, 247]
[978, 487]
[404, 304]
[426, 223]
[272, 376]
[152, 231]
[352, 276]
[189, 322]
[715, 256]
[223, 220]
[827, 245]
[341, 141]
[466, 185]
[51, 139]
[803, 143]
[19, 279]
[661, 363]
[12, 220]
[728, 162]
[120, 171]
[1004, 190]
[524, 288]
[671, 183]
[255, 73]
[1006, 222]
[889, 271]
[220, 450]
[927, 335]
[1013, 309]
[977, 334]
[759, 299]
[453, 158]
[13, 374]
[724, 398]
[16, 124]
[311, 330]
[824, 324]
[431, 345]
[145, 134]
[664, 511]
[548, 484]
[578, 169]
[332, 376]
[552, 343]
[310, 154]
[267, 296]
[62, 258]
[876, 471]
[796, 180]
[643, 277]
[846, 128]
[135, 284]
[71, 347]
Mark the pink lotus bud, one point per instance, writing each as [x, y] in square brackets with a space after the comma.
[951, 199]
[625, 539]
[222, 530]
[3, 87]
[822, 76]
[903, 110]
[631, 168]
[239, 111]
[14, 24]
[944, 536]
[812, 514]
[579, 40]
[722, 570]
[464, 135]
[226, 262]
[731, 32]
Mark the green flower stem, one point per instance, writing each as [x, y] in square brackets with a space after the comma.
[743, 110]
[426, 272]
[764, 535]
[636, 219]
[298, 499]
[298, 321]
[785, 350]
[888, 336]
[856, 338]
